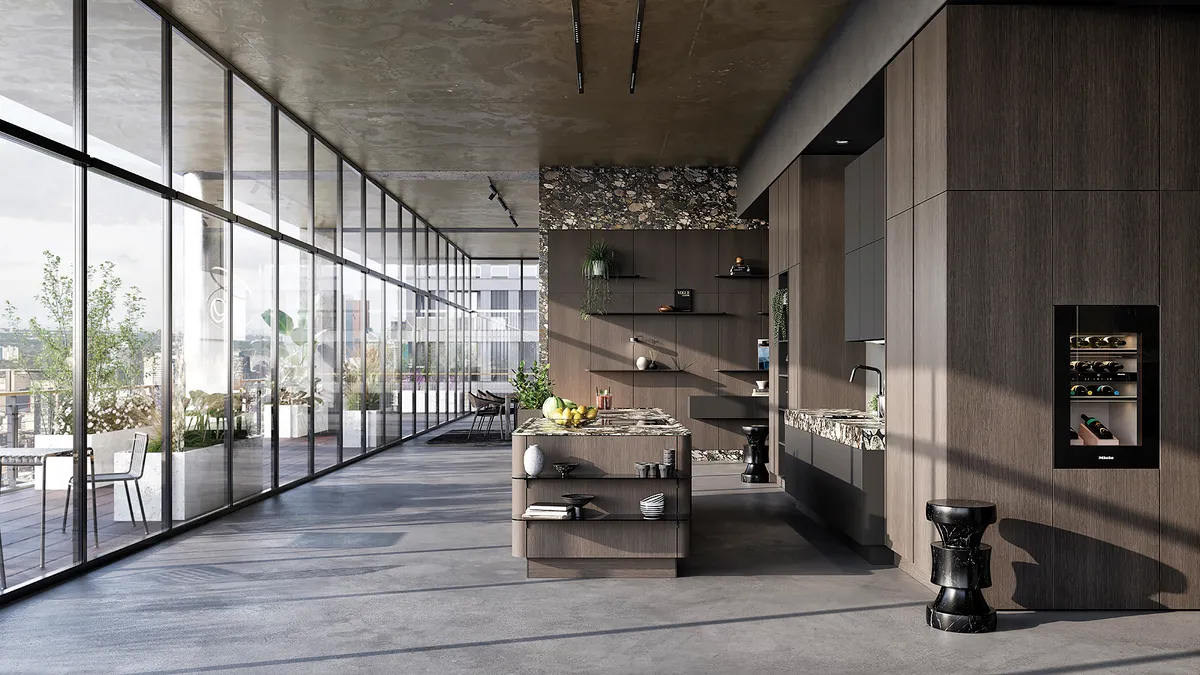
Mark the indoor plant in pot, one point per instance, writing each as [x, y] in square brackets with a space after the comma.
[532, 387]
[295, 350]
[597, 267]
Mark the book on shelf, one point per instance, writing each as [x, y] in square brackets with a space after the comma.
[549, 506]
[546, 515]
[760, 392]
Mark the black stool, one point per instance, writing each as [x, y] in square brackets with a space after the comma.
[755, 454]
[962, 565]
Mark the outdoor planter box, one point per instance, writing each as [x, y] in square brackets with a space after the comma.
[198, 480]
[293, 420]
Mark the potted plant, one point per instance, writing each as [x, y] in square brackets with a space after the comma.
[532, 389]
[295, 350]
[597, 267]
[353, 405]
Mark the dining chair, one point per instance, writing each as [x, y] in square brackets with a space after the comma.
[484, 408]
[137, 465]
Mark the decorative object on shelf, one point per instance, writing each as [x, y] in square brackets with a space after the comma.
[597, 267]
[755, 454]
[642, 362]
[683, 299]
[564, 469]
[962, 566]
[665, 309]
[532, 387]
[653, 506]
[764, 354]
[761, 384]
[739, 267]
[665, 470]
[534, 460]
[647, 470]
[669, 461]
[603, 399]
[547, 511]
[578, 501]
[779, 312]
[652, 361]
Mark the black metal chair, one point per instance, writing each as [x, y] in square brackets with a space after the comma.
[137, 465]
[484, 409]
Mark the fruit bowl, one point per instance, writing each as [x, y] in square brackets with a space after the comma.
[573, 423]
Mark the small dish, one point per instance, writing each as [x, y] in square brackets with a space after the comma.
[565, 468]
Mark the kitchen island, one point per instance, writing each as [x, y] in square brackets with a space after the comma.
[612, 539]
[832, 464]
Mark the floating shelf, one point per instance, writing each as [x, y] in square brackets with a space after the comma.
[742, 370]
[635, 370]
[624, 276]
[613, 517]
[605, 476]
[1101, 399]
[741, 276]
[657, 313]
[764, 314]
[1102, 350]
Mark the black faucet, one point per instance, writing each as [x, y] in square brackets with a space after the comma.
[879, 375]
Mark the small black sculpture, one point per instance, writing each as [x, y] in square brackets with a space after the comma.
[962, 565]
[755, 454]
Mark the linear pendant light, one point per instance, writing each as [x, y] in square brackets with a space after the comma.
[637, 43]
[578, 45]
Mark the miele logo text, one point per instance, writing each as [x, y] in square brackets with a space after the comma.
[1107, 457]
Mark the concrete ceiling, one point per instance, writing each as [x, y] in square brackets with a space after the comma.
[431, 96]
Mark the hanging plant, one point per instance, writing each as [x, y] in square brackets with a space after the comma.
[779, 313]
[597, 266]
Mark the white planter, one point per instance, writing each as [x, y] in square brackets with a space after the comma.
[198, 481]
[293, 420]
[598, 268]
[105, 446]
[352, 428]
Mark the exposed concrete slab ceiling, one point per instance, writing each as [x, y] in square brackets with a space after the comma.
[489, 86]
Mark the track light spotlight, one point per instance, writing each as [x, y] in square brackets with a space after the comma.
[492, 196]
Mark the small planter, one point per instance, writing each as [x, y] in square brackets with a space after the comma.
[105, 446]
[293, 420]
[197, 482]
[352, 421]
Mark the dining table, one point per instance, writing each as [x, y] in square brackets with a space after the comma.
[37, 457]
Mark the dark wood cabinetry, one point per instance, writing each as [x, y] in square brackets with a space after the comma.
[866, 280]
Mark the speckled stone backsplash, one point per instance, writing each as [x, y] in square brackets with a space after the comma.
[633, 198]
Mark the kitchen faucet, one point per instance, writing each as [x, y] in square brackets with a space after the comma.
[877, 374]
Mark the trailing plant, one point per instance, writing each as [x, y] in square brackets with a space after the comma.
[597, 292]
[532, 387]
[779, 313]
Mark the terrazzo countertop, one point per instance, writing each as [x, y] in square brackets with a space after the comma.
[620, 422]
[856, 428]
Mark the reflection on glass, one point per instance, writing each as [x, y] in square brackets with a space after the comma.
[295, 363]
[37, 221]
[200, 363]
[395, 361]
[374, 364]
[354, 362]
[408, 335]
[125, 299]
[124, 91]
[35, 59]
[374, 248]
[326, 191]
[352, 214]
[197, 123]
[327, 365]
[253, 307]
[253, 195]
[295, 204]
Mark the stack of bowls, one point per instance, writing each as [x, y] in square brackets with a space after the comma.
[653, 506]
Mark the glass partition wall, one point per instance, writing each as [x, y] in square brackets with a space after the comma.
[233, 304]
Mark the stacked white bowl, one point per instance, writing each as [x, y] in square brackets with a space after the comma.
[653, 506]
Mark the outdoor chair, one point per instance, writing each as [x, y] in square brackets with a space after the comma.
[137, 464]
[484, 409]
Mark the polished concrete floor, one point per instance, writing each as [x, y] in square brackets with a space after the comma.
[401, 564]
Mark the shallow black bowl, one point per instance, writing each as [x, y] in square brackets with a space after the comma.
[564, 468]
[578, 499]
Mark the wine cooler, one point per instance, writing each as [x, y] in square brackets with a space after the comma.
[1106, 387]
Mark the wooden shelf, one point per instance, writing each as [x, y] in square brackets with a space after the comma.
[635, 370]
[741, 276]
[624, 276]
[657, 313]
[743, 370]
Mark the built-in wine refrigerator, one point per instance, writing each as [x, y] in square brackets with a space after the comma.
[1106, 387]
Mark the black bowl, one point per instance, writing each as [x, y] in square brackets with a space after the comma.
[578, 500]
[564, 468]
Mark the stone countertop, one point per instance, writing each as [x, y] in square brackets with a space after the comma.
[620, 422]
[856, 428]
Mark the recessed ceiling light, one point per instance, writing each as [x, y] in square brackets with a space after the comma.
[842, 141]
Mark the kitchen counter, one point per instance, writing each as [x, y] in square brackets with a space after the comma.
[620, 422]
[856, 428]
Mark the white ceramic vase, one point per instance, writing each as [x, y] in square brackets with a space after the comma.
[642, 362]
[534, 460]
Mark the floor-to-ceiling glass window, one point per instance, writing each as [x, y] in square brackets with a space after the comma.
[422, 313]
[35, 48]
[327, 378]
[38, 224]
[374, 251]
[408, 336]
[352, 214]
[394, 362]
[354, 361]
[200, 298]
[294, 408]
[295, 201]
[253, 305]
[253, 191]
[198, 128]
[326, 191]
[373, 373]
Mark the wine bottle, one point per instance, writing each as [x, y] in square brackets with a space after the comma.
[1109, 366]
[1105, 390]
[1096, 426]
[1076, 342]
[1085, 366]
[1079, 390]
[1115, 342]
[1074, 435]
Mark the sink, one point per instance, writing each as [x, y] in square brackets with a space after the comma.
[863, 416]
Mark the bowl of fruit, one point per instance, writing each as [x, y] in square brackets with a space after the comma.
[567, 413]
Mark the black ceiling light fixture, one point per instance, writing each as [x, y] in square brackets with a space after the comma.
[578, 45]
[495, 194]
[637, 43]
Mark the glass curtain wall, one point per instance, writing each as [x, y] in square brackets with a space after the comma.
[504, 299]
[257, 308]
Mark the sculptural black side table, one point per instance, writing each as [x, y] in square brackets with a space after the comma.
[755, 454]
[962, 565]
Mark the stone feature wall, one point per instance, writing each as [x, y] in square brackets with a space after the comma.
[633, 198]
